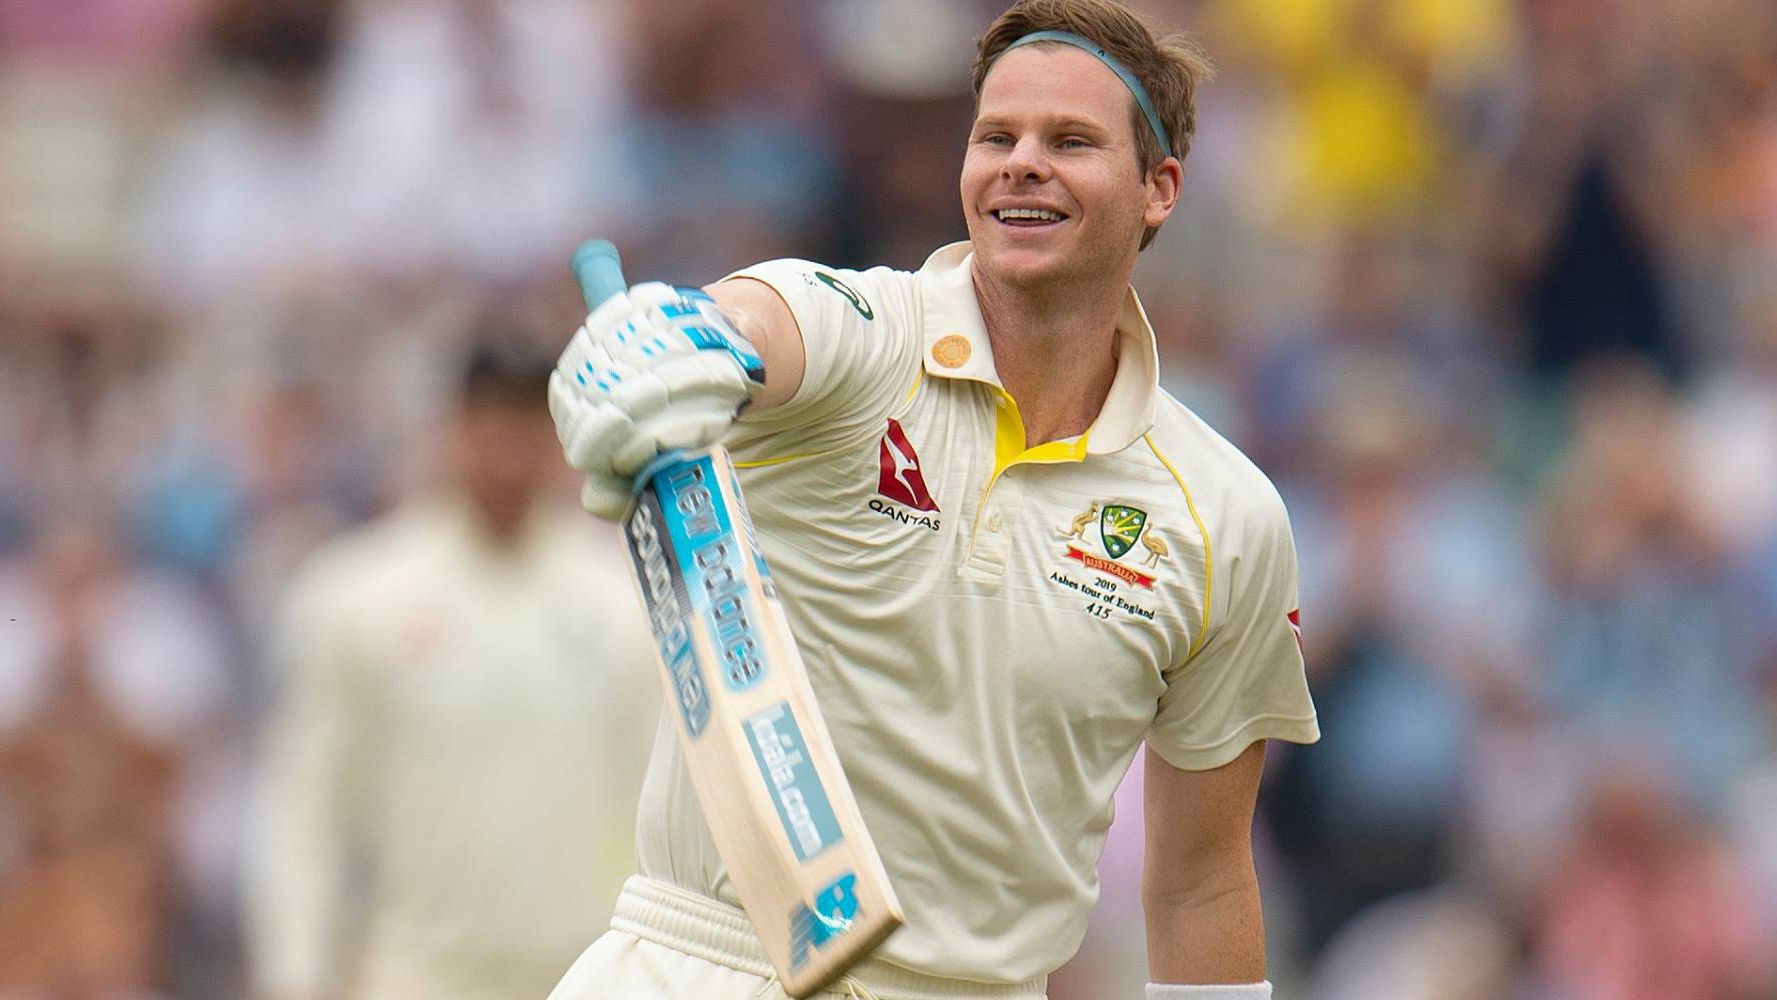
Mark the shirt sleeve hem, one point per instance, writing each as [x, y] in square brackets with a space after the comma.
[1204, 757]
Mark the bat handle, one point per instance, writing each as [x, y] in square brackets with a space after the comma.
[599, 271]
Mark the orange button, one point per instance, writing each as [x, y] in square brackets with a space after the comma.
[952, 351]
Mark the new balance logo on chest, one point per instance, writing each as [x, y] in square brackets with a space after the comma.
[899, 480]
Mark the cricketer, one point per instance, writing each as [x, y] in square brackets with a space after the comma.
[1009, 558]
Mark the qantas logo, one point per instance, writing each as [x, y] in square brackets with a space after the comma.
[900, 479]
[1295, 618]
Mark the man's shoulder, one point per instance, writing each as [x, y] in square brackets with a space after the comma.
[1222, 481]
[867, 293]
[791, 273]
[944, 259]
[861, 331]
[370, 557]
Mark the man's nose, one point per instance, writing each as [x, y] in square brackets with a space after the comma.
[1028, 161]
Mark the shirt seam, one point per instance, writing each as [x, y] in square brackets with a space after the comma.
[1208, 549]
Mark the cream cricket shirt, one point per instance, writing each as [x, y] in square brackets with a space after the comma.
[993, 630]
[445, 808]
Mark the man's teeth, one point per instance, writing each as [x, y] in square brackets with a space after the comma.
[1032, 214]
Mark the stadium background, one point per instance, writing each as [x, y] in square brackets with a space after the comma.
[1488, 286]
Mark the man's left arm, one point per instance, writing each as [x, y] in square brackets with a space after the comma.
[1241, 685]
[1199, 890]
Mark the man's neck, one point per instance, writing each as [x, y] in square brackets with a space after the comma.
[1056, 353]
[498, 523]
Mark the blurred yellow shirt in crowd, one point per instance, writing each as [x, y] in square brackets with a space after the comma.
[1356, 132]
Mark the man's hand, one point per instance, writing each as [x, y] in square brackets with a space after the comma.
[651, 370]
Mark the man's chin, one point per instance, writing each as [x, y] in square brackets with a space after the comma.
[1018, 267]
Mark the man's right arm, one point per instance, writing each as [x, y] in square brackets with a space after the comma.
[763, 317]
[658, 368]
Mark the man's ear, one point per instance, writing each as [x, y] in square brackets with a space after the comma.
[1164, 183]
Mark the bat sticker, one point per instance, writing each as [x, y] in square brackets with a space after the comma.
[801, 802]
[712, 575]
[664, 595]
[835, 909]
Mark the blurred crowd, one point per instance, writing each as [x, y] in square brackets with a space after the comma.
[1489, 287]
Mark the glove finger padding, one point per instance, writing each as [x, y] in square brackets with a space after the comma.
[589, 431]
[643, 415]
[656, 368]
[706, 379]
[606, 496]
[675, 428]
[613, 323]
[698, 320]
[706, 375]
[652, 294]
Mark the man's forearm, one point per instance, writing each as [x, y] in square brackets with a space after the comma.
[1211, 934]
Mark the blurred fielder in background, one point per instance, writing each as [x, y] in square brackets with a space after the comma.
[446, 803]
[1008, 555]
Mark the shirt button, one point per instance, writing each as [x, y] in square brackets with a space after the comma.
[993, 522]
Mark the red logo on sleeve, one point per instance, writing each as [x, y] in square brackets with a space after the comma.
[1296, 627]
[900, 479]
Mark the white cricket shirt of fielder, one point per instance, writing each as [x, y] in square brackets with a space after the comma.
[992, 630]
[445, 799]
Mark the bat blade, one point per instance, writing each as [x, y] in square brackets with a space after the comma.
[761, 760]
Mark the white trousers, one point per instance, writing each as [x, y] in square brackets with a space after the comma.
[667, 943]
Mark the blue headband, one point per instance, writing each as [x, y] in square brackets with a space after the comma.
[1139, 92]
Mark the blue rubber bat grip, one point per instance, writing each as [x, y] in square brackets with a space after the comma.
[599, 271]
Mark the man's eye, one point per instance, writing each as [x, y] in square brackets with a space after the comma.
[996, 139]
[1074, 143]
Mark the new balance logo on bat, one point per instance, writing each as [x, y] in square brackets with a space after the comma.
[666, 615]
[835, 907]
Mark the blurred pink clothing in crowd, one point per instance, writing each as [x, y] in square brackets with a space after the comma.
[1648, 907]
[99, 32]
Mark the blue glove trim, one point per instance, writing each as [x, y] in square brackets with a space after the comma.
[697, 302]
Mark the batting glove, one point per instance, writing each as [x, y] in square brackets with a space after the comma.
[653, 369]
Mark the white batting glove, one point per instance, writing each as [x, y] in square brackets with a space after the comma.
[653, 369]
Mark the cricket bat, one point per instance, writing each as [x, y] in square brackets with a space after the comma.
[778, 806]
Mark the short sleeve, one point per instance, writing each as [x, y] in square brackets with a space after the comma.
[1247, 681]
[860, 334]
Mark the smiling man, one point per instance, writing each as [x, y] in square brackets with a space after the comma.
[1008, 556]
